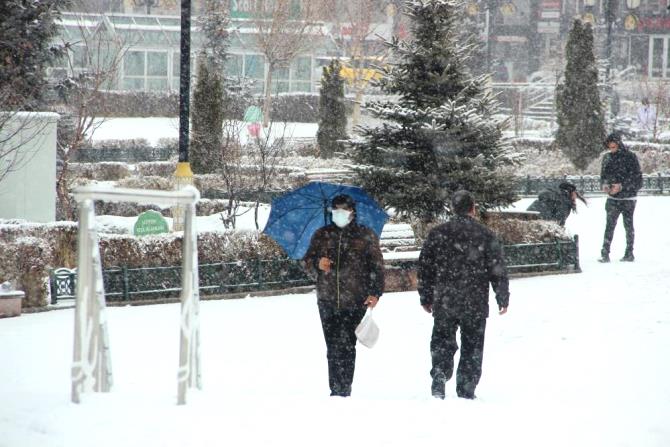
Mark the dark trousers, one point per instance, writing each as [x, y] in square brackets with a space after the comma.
[614, 208]
[443, 346]
[338, 331]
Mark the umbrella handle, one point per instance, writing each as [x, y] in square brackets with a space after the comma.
[325, 212]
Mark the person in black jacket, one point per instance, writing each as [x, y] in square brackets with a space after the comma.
[346, 260]
[621, 179]
[457, 262]
[556, 203]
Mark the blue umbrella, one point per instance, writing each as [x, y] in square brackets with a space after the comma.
[296, 215]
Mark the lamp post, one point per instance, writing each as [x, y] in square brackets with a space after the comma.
[183, 175]
[610, 17]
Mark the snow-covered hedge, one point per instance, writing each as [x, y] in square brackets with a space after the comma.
[542, 159]
[101, 171]
[31, 251]
[293, 107]
[518, 231]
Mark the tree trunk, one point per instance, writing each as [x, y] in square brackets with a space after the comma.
[356, 113]
[267, 103]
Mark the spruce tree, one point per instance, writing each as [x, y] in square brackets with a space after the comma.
[332, 112]
[440, 135]
[211, 96]
[579, 112]
[28, 31]
[207, 119]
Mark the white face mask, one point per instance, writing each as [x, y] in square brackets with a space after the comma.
[341, 218]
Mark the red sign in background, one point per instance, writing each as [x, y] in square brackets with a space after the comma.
[653, 24]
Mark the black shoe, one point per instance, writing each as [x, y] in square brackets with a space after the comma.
[470, 396]
[437, 388]
[339, 394]
[604, 259]
[628, 258]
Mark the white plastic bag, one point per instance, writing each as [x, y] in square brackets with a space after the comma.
[367, 330]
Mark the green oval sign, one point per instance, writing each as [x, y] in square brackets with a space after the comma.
[150, 222]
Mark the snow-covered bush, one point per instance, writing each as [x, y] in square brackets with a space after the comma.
[519, 231]
[101, 171]
[156, 168]
[542, 160]
[31, 251]
[148, 182]
[130, 144]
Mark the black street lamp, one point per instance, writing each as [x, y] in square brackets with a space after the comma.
[610, 18]
[184, 79]
[183, 174]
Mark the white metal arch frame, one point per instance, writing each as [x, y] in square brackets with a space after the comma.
[91, 365]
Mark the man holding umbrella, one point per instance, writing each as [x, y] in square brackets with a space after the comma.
[346, 260]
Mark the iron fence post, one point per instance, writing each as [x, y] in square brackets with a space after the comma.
[53, 287]
[577, 267]
[660, 183]
[559, 253]
[126, 283]
[259, 271]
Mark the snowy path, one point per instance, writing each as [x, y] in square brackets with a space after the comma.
[579, 360]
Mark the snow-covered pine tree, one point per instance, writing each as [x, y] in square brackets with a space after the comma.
[439, 135]
[211, 96]
[207, 120]
[28, 30]
[579, 112]
[332, 111]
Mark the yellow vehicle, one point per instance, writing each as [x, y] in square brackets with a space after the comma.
[364, 73]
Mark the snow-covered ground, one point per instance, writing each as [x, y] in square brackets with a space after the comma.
[152, 129]
[579, 360]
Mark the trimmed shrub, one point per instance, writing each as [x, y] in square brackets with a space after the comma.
[31, 251]
[102, 171]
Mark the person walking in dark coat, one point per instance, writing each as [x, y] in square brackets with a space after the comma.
[621, 179]
[346, 260]
[458, 261]
[556, 203]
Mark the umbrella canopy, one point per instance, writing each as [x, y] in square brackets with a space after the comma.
[296, 215]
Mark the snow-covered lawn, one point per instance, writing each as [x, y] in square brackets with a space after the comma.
[579, 360]
[152, 129]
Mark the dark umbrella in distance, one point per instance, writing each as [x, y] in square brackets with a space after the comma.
[296, 215]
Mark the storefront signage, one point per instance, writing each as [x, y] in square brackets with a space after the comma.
[654, 24]
[550, 15]
[548, 27]
[245, 9]
[511, 39]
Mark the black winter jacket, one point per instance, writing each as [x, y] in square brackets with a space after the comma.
[553, 204]
[458, 261]
[358, 266]
[622, 167]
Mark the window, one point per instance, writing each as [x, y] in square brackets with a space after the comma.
[657, 63]
[254, 66]
[254, 69]
[280, 80]
[302, 68]
[156, 63]
[233, 66]
[146, 70]
[301, 71]
[176, 63]
[133, 63]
